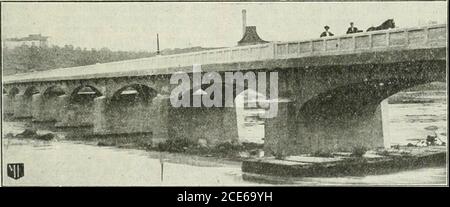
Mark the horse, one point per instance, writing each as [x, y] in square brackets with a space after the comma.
[385, 25]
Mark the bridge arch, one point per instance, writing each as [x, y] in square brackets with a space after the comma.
[13, 91]
[348, 116]
[53, 91]
[353, 99]
[9, 96]
[23, 103]
[49, 107]
[423, 102]
[79, 107]
[84, 94]
[30, 91]
[132, 94]
[207, 89]
[131, 109]
[191, 122]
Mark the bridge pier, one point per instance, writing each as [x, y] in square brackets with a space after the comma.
[77, 115]
[8, 104]
[22, 106]
[139, 118]
[161, 122]
[294, 133]
[214, 125]
[98, 115]
[46, 109]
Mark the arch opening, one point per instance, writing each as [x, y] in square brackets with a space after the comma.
[416, 113]
[249, 112]
[53, 91]
[29, 92]
[84, 94]
[13, 91]
[200, 92]
[359, 114]
[209, 91]
[134, 94]
[130, 110]
[351, 100]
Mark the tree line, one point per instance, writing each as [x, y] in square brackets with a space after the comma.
[26, 58]
[32, 58]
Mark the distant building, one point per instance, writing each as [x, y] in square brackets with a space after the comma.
[32, 40]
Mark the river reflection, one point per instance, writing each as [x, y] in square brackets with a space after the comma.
[70, 163]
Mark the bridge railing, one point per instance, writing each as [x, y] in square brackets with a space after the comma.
[233, 54]
[417, 37]
[432, 35]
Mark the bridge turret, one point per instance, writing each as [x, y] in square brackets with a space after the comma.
[249, 34]
[251, 37]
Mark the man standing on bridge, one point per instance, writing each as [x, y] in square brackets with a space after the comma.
[352, 29]
[326, 33]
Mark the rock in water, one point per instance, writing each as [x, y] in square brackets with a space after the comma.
[46, 137]
[27, 133]
[105, 144]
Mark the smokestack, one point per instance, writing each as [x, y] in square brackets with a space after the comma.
[244, 21]
[157, 44]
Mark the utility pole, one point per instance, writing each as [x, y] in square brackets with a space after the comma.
[244, 21]
[161, 161]
[157, 44]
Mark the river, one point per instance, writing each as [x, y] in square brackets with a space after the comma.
[74, 163]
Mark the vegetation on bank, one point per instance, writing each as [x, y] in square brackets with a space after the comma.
[434, 92]
[228, 150]
[26, 58]
[232, 151]
[431, 96]
[32, 134]
[433, 86]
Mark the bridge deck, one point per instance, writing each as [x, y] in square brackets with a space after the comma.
[396, 39]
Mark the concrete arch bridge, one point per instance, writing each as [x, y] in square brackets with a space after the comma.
[334, 87]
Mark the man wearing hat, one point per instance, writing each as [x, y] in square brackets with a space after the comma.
[326, 33]
[352, 29]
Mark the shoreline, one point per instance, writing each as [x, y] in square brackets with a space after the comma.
[340, 165]
[192, 154]
[417, 158]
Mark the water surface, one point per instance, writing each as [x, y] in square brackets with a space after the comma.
[70, 163]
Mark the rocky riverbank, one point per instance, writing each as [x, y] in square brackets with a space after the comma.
[235, 151]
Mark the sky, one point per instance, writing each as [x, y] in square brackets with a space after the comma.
[133, 26]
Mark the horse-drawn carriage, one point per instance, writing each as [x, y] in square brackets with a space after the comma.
[388, 24]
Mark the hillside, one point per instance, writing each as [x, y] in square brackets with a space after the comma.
[25, 59]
